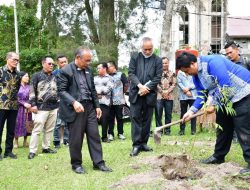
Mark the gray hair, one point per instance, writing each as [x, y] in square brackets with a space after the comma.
[10, 54]
[80, 51]
[146, 39]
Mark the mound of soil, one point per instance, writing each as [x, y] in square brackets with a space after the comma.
[171, 172]
[179, 167]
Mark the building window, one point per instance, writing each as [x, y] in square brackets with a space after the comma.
[216, 26]
[216, 6]
[184, 25]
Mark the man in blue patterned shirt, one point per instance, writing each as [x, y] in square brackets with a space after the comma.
[9, 86]
[213, 75]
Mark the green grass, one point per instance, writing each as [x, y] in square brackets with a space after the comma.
[54, 171]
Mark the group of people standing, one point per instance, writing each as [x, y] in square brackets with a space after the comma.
[83, 100]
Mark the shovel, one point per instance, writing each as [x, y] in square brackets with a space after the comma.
[157, 134]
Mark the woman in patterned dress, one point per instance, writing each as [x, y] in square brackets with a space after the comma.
[23, 114]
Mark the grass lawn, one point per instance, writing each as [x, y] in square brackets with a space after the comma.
[54, 171]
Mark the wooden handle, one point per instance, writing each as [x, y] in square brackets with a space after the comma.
[176, 122]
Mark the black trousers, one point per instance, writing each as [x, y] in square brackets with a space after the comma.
[184, 106]
[85, 123]
[104, 120]
[10, 116]
[167, 105]
[141, 118]
[116, 112]
[240, 123]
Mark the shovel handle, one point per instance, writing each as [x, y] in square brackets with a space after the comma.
[176, 122]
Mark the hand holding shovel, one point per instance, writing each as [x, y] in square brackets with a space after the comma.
[157, 134]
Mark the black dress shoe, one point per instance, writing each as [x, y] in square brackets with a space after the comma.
[49, 151]
[135, 151]
[245, 170]
[11, 155]
[106, 140]
[181, 133]
[31, 155]
[212, 160]
[146, 148]
[78, 170]
[102, 167]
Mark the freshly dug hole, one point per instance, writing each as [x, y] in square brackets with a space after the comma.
[179, 167]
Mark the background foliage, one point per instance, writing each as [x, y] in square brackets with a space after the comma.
[65, 25]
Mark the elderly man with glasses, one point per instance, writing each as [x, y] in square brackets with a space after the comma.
[44, 101]
[9, 85]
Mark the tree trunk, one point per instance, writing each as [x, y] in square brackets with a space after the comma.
[107, 36]
[166, 28]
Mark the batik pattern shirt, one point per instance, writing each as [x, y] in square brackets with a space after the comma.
[216, 73]
[9, 86]
[166, 85]
[119, 81]
[103, 86]
[43, 91]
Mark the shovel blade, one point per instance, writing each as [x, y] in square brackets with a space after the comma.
[157, 137]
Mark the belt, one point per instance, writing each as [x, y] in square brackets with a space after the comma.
[85, 101]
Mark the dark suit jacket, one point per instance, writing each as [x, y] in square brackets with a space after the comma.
[69, 90]
[138, 74]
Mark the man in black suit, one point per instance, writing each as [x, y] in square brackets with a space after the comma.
[79, 107]
[145, 70]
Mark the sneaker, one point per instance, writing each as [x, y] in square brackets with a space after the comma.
[110, 137]
[121, 136]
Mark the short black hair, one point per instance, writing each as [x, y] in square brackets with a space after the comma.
[232, 44]
[112, 63]
[60, 56]
[45, 57]
[104, 65]
[164, 58]
[185, 59]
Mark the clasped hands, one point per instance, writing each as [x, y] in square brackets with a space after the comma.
[143, 90]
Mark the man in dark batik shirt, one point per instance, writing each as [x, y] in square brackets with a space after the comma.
[44, 101]
[9, 85]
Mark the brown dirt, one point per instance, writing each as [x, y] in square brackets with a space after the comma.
[179, 172]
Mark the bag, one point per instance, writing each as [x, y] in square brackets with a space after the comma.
[29, 124]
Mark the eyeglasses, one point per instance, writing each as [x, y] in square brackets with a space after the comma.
[51, 64]
[150, 49]
[16, 60]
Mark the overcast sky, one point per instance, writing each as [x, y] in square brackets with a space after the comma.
[236, 7]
